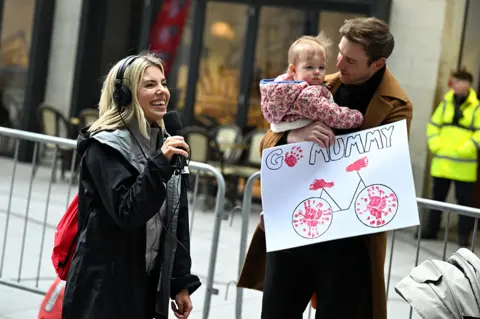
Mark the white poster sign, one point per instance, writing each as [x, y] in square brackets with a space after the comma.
[362, 184]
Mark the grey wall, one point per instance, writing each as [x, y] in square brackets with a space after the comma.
[62, 54]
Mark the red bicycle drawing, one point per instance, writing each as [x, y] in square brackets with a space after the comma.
[375, 205]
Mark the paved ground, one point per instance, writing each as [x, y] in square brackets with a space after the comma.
[24, 260]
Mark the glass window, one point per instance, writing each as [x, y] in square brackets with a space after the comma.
[279, 28]
[16, 31]
[181, 64]
[220, 64]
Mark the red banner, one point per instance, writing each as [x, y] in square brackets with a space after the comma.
[167, 30]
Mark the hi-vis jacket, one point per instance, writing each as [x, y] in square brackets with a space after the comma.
[454, 143]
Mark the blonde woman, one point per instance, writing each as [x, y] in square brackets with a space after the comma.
[133, 248]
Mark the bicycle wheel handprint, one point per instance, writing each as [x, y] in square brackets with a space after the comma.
[312, 218]
[376, 205]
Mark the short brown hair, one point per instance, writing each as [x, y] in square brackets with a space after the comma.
[463, 75]
[372, 34]
[308, 45]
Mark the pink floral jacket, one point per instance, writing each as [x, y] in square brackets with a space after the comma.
[288, 105]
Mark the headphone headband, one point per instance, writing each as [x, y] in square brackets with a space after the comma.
[123, 67]
[121, 93]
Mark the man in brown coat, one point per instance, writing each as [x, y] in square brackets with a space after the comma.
[346, 276]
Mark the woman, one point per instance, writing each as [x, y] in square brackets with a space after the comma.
[133, 252]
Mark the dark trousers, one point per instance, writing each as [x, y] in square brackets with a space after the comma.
[464, 197]
[337, 271]
[151, 296]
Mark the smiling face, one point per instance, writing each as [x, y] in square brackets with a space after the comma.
[153, 94]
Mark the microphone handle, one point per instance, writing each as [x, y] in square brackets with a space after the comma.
[179, 161]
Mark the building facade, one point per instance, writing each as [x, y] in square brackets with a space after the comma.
[59, 52]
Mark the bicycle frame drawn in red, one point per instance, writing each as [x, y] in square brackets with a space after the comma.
[375, 205]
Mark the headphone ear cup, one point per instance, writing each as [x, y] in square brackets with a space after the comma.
[116, 96]
[126, 96]
[122, 96]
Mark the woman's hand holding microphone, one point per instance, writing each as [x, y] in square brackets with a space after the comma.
[175, 145]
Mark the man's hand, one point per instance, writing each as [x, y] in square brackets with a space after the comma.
[317, 132]
[182, 307]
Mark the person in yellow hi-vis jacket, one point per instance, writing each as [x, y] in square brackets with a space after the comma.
[454, 139]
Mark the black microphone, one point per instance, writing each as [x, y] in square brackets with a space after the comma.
[173, 125]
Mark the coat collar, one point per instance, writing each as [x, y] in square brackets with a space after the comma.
[379, 107]
[472, 98]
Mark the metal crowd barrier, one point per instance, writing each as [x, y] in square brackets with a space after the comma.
[20, 136]
[246, 212]
[444, 207]
[58, 144]
[422, 203]
[216, 231]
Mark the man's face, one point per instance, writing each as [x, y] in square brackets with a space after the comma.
[352, 62]
[461, 87]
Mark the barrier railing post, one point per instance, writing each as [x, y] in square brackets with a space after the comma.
[27, 211]
[246, 210]
[210, 290]
[45, 219]
[389, 274]
[9, 207]
[72, 174]
[474, 240]
[445, 237]
[417, 255]
[194, 202]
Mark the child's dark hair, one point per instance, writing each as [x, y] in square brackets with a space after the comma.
[463, 75]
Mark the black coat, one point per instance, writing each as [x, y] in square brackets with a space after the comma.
[108, 278]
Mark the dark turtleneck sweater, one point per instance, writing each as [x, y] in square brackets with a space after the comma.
[357, 96]
[458, 101]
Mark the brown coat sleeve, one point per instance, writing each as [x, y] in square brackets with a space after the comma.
[377, 243]
[270, 139]
[401, 111]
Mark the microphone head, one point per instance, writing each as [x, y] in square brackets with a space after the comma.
[173, 123]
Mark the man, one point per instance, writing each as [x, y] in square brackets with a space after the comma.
[346, 275]
[454, 139]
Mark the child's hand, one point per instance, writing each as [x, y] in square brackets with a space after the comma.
[261, 223]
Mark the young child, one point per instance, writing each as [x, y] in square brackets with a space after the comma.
[297, 98]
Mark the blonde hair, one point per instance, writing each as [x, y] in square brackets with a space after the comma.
[307, 46]
[109, 117]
